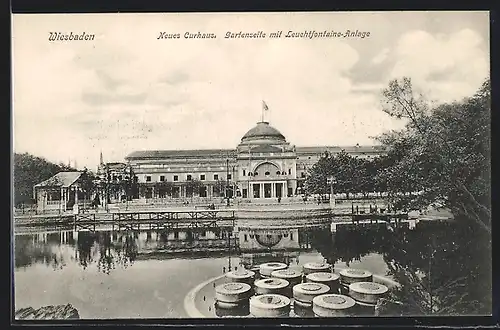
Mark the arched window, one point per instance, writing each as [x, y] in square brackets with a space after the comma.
[256, 173]
[267, 173]
[278, 173]
[283, 173]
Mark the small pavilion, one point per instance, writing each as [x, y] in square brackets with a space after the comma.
[58, 193]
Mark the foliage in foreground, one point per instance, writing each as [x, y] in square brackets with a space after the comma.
[443, 153]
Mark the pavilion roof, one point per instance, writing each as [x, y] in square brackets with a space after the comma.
[61, 179]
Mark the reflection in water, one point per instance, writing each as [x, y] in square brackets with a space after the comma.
[442, 271]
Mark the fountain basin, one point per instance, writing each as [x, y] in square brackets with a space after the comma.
[271, 286]
[305, 292]
[291, 275]
[316, 267]
[330, 279]
[270, 305]
[229, 295]
[367, 292]
[333, 305]
[267, 268]
[351, 275]
[241, 276]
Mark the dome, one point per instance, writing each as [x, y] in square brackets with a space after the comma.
[263, 131]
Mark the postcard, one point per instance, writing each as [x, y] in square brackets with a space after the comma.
[251, 165]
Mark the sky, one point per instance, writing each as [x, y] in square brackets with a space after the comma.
[127, 90]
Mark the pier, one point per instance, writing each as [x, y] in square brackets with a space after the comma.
[207, 219]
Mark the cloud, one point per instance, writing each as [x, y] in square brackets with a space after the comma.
[129, 91]
[446, 67]
[381, 57]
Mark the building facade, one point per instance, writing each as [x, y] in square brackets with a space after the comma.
[263, 165]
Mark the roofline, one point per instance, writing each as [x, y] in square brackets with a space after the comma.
[39, 184]
[297, 148]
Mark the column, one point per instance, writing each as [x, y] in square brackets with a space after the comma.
[249, 190]
[285, 188]
[75, 206]
[261, 190]
[61, 201]
[273, 189]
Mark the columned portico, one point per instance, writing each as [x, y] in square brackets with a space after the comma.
[267, 189]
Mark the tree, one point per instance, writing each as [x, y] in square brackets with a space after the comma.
[442, 155]
[192, 186]
[350, 174]
[88, 183]
[142, 188]
[316, 182]
[164, 188]
[220, 187]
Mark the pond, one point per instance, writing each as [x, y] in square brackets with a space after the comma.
[147, 274]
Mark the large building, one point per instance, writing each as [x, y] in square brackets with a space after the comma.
[263, 165]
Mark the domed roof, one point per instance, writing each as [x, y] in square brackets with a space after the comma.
[263, 131]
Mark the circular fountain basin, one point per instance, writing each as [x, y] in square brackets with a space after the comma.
[291, 275]
[333, 305]
[304, 293]
[316, 267]
[229, 295]
[266, 269]
[367, 292]
[241, 276]
[270, 305]
[330, 279]
[351, 275]
[271, 286]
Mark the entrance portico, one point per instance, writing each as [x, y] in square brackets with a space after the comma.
[267, 189]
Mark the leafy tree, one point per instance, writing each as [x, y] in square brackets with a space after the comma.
[442, 155]
[220, 187]
[164, 188]
[192, 186]
[350, 174]
[88, 182]
[143, 188]
[317, 179]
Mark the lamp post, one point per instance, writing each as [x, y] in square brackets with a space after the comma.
[331, 181]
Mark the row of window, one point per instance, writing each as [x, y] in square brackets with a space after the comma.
[267, 173]
[285, 235]
[189, 177]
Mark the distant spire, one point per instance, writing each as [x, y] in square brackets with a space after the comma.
[101, 159]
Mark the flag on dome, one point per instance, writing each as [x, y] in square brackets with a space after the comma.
[264, 106]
